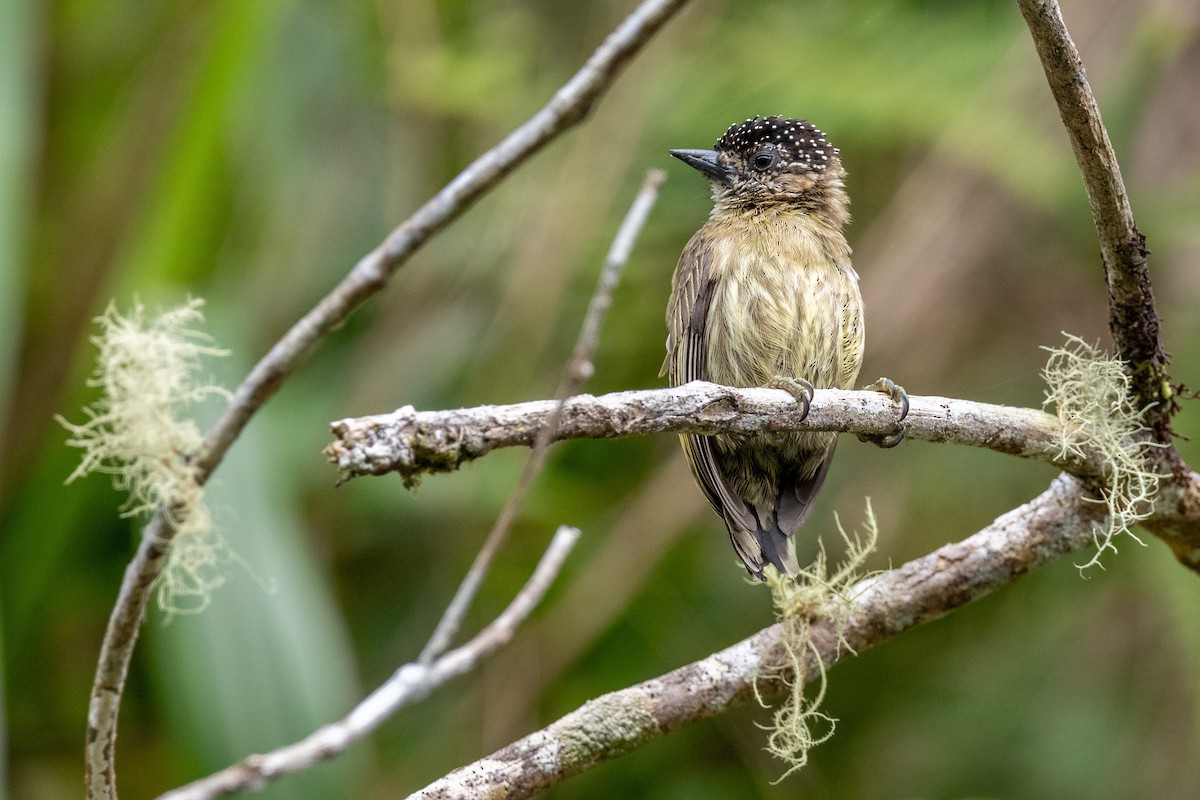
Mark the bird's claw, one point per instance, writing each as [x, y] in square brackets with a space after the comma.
[898, 395]
[799, 388]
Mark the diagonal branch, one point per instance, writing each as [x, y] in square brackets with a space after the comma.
[1056, 522]
[1133, 319]
[570, 104]
[579, 369]
[409, 684]
[413, 442]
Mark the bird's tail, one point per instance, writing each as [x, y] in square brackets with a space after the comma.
[764, 536]
[767, 544]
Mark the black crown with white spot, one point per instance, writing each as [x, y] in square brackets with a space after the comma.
[800, 144]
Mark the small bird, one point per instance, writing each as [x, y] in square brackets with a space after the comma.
[764, 295]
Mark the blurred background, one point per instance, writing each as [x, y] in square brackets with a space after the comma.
[250, 152]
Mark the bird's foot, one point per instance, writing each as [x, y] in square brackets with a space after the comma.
[900, 397]
[800, 389]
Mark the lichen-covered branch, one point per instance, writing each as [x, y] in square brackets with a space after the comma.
[1058, 521]
[1133, 319]
[412, 442]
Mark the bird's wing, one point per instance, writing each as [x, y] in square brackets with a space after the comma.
[691, 291]
[687, 316]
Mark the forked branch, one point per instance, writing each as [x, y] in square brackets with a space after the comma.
[1057, 522]
[370, 275]
[409, 684]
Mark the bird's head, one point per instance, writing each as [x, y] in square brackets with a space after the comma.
[773, 161]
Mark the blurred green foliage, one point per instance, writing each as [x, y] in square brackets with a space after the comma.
[250, 152]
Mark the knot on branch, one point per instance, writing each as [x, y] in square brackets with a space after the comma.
[397, 442]
[720, 408]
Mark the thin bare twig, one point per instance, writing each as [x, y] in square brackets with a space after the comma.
[578, 370]
[409, 684]
[568, 107]
[414, 442]
[1057, 522]
[570, 104]
[580, 367]
[1133, 319]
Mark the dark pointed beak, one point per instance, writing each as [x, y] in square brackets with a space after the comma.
[705, 161]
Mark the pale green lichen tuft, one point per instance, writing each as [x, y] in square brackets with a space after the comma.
[136, 431]
[815, 594]
[1091, 392]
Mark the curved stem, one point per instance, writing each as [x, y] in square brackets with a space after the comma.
[1056, 522]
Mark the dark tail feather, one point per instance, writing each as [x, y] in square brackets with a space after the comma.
[767, 544]
[777, 549]
[797, 493]
[770, 540]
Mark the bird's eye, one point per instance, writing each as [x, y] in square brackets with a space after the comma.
[764, 159]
